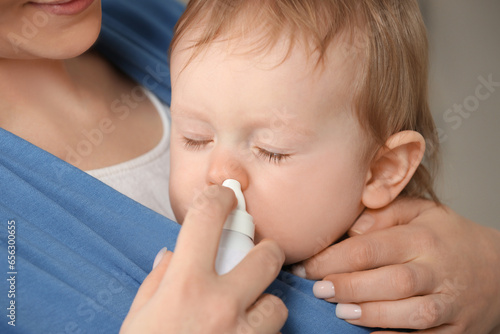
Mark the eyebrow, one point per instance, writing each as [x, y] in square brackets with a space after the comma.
[187, 111]
[276, 118]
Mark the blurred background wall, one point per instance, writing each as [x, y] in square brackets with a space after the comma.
[464, 40]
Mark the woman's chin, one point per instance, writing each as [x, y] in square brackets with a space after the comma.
[59, 38]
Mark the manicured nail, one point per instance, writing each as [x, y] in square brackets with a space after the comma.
[324, 289]
[348, 311]
[363, 224]
[299, 270]
[159, 256]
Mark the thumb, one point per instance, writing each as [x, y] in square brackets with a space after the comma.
[363, 224]
[399, 212]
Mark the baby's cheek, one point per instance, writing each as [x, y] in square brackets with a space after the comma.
[178, 213]
[178, 202]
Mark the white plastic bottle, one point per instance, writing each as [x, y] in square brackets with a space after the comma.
[238, 233]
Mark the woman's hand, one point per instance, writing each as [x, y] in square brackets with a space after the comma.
[434, 269]
[184, 294]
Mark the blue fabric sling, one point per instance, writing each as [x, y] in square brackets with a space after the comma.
[74, 251]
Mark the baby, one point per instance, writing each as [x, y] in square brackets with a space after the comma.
[317, 107]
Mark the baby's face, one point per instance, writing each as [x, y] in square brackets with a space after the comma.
[286, 131]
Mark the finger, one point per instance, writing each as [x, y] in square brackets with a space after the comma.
[150, 285]
[198, 239]
[387, 283]
[400, 212]
[267, 315]
[399, 244]
[256, 271]
[415, 313]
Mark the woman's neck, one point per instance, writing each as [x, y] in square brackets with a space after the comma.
[34, 86]
[54, 104]
[48, 102]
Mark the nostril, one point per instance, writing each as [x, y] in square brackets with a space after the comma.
[224, 164]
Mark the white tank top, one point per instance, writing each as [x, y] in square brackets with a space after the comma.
[145, 178]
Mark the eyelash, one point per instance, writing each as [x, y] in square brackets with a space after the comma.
[271, 157]
[195, 145]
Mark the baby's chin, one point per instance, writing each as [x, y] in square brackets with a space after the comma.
[292, 253]
[294, 258]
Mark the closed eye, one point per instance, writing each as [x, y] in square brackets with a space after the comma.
[195, 145]
[272, 157]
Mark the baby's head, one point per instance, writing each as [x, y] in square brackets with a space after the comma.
[317, 107]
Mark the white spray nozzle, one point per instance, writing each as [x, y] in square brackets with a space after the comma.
[236, 187]
[239, 220]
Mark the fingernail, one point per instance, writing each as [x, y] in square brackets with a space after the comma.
[363, 224]
[348, 311]
[324, 289]
[299, 270]
[159, 256]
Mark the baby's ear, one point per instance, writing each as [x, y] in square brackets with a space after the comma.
[392, 168]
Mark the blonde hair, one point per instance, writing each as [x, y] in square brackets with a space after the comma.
[389, 34]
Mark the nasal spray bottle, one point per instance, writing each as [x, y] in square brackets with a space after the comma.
[238, 233]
